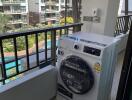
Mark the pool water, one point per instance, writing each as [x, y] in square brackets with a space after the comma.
[11, 68]
[49, 43]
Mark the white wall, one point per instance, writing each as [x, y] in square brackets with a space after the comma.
[33, 5]
[108, 13]
[38, 85]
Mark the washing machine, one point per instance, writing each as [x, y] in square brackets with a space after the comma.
[86, 64]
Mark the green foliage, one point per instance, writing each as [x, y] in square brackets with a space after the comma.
[8, 43]
[20, 43]
[3, 22]
[9, 46]
[69, 20]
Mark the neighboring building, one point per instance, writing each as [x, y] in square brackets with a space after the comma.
[17, 10]
[50, 11]
[47, 11]
[69, 8]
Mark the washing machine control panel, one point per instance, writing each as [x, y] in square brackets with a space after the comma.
[93, 51]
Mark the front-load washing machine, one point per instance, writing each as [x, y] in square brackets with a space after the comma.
[86, 63]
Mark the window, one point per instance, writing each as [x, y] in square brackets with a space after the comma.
[62, 1]
[22, 0]
[23, 8]
[47, 7]
[54, 7]
[42, 8]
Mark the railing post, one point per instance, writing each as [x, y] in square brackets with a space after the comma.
[3, 67]
[77, 28]
[53, 47]
[126, 23]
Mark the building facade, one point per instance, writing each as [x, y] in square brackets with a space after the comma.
[17, 10]
[47, 11]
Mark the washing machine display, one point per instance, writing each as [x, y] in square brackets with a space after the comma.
[77, 75]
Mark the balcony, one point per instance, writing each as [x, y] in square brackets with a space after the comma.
[19, 21]
[36, 60]
[50, 11]
[13, 1]
[51, 3]
[14, 12]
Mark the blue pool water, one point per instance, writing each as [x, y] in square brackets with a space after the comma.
[12, 64]
[49, 43]
[11, 68]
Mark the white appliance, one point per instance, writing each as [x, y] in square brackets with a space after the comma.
[86, 64]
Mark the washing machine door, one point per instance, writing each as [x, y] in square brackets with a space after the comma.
[76, 74]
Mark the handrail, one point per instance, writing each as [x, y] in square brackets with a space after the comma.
[30, 32]
[124, 16]
[123, 24]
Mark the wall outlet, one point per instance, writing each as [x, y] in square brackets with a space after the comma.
[96, 19]
[88, 18]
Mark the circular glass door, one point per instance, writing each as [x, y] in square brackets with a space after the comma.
[77, 75]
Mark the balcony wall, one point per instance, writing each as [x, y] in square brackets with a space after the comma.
[108, 10]
[38, 85]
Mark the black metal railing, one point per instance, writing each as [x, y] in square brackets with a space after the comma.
[123, 24]
[45, 52]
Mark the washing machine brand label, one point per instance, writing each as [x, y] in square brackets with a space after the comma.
[97, 67]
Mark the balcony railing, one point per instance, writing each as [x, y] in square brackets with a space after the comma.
[43, 53]
[12, 1]
[123, 24]
[14, 11]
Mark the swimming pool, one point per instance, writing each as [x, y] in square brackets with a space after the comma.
[11, 67]
[49, 43]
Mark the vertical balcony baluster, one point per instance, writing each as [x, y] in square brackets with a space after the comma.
[16, 56]
[27, 52]
[3, 67]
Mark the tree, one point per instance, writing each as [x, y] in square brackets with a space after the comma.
[76, 6]
[69, 20]
[4, 19]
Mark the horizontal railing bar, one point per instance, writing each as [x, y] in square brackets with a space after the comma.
[12, 67]
[50, 60]
[36, 31]
[24, 56]
[124, 16]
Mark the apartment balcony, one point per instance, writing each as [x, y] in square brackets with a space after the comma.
[38, 77]
[14, 12]
[51, 3]
[50, 11]
[51, 18]
[19, 21]
[13, 1]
